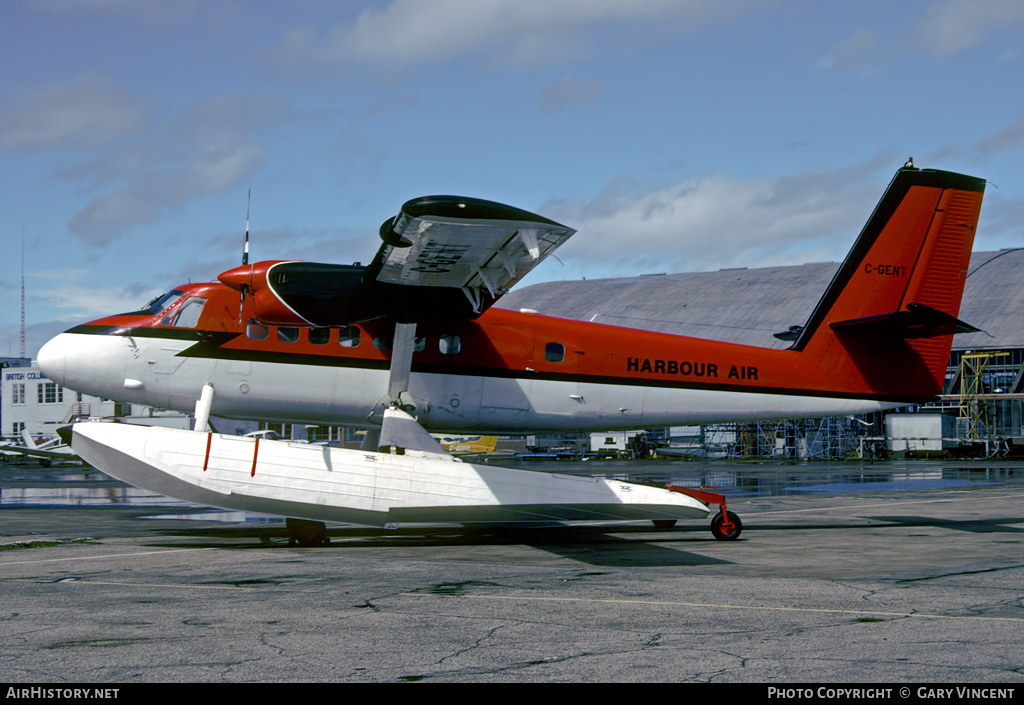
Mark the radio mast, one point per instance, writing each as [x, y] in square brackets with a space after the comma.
[21, 350]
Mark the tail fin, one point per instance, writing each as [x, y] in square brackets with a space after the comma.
[893, 305]
[27, 437]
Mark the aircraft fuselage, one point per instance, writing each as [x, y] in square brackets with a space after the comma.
[503, 372]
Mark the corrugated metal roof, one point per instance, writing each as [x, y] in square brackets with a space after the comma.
[994, 301]
[749, 305]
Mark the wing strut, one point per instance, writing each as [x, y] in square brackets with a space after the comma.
[401, 362]
[400, 432]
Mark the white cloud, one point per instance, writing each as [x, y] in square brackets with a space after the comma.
[139, 167]
[213, 172]
[80, 114]
[69, 291]
[228, 118]
[1004, 139]
[953, 25]
[567, 93]
[716, 221]
[409, 32]
[856, 54]
[155, 12]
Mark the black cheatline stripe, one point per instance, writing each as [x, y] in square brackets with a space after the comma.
[209, 345]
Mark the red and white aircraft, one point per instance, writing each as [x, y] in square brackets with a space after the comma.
[414, 333]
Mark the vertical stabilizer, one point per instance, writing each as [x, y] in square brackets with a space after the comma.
[892, 307]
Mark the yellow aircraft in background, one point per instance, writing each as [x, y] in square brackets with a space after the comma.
[457, 445]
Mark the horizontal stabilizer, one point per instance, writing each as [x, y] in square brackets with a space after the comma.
[919, 321]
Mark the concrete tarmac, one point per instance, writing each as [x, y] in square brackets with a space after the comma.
[844, 573]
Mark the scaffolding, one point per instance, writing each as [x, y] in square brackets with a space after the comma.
[827, 438]
[975, 384]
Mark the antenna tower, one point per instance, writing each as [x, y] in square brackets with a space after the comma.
[21, 350]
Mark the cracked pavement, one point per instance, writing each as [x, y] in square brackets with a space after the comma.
[921, 585]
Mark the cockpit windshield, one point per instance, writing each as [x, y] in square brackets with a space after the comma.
[162, 302]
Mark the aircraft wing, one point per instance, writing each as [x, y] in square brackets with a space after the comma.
[481, 247]
[442, 256]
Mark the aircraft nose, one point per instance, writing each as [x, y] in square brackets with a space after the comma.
[90, 363]
[52, 358]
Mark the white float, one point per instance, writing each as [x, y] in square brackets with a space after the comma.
[412, 483]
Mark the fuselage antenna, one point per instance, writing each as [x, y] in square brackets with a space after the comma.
[245, 247]
[245, 256]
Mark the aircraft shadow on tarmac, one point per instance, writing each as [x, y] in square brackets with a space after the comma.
[631, 546]
[624, 545]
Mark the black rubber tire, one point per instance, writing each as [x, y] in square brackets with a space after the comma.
[716, 527]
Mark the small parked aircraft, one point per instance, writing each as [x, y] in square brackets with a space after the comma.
[412, 342]
[54, 449]
[467, 445]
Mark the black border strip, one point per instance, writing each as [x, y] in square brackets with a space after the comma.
[210, 346]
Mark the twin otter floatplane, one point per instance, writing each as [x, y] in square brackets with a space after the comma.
[411, 343]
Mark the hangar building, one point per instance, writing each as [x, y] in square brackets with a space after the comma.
[984, 382]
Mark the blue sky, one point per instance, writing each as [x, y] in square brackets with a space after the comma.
[673, 135]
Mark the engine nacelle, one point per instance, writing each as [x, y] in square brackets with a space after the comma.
[308, 294]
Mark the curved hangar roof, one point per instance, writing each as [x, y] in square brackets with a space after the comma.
[749, 306]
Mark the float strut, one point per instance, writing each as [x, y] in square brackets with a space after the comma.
[203, 406]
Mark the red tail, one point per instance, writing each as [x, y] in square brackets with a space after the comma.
[885, 325]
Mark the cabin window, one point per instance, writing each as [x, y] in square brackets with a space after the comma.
[419, 344]
[348, 337]
[554, 352]
[288, 335]
[319, 336]
[449, 344]
[256, 331]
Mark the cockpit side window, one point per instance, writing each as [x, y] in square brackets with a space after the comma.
[187, 315]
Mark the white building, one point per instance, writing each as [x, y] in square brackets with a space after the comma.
[31, 401]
